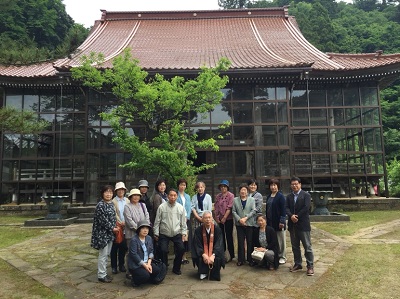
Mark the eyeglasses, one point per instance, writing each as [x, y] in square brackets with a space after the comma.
[295, 184]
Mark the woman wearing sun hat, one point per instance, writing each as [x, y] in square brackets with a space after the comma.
[223, 216]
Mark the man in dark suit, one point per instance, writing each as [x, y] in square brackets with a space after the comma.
[298, 205]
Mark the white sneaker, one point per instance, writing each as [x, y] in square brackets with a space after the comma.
[202, 276]
[282, 261]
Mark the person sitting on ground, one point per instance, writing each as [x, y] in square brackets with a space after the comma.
[208, 249]
[140, 256]
[265, 240]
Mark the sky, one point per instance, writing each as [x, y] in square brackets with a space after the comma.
[85, 12]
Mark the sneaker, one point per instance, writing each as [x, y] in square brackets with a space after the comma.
[295, 268]
[282, 261]
[202, 276]
[310, 271]
[105, 279]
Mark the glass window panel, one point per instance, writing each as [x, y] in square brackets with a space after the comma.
[79, 121]
[242, 93]
[29, 148]
[242, 113]
[200, 118]
[92, 164]
[243, 135]
[264, 93]
[372, 139]
[94, 116]
[321, 164]
[62, 169]
[283, 135]
[319, 140]
[79, 144]
[351, 97]
[318, 117]
[335, 97]
[45, 145]
[80, 100]
[50, 119]
[302, 164]
[299, 98]
[78, 169]
[265, 112]
[284, 162]
[370, 116]
[281, 93]
[338, 140]
[300, 117]
[354, 142]
[107, 135]
[336, 117]
[48, 102]
[339, 163]
[227, 93]
[269, 136]
[301, 141]
[31, 103]
[244, 163]
[63, 144]
[14, 101]
[317, 98]
[11, 145]
[64, 122]
[356, 163]
[45, 170]
[369, 96]
[65, 103]
[10, 170]
[108, 166]
[28, 170]
[221, 113]
[353, 116]
[268, 163]
[282, 113]
[225, 163]
[374, 164]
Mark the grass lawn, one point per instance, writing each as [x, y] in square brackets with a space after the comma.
[16, 284]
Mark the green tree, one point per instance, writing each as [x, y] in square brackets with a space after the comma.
[393, 168]
[165, 109]
[21, 122]
[230, 4]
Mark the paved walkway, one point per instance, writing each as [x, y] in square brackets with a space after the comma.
[64, 261]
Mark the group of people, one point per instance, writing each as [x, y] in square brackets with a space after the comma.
[150, 223]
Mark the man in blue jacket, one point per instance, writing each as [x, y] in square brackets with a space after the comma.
[298, 205]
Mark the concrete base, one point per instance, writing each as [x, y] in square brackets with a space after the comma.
[50, 222]
[333, 217]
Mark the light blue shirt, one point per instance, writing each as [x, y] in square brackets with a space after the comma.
[121, 206]
[296, 195]
[146, 254]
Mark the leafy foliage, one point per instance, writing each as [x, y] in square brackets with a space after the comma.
[165, 107]
[394, 177]
[22, 122]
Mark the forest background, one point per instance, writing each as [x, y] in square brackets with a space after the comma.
[37, 30]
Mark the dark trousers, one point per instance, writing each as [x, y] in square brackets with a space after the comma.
[141, 275]
[227, 236]
[117, 254]
[163, 243]
[244, 233]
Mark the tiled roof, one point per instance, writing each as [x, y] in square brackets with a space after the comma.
[45, 69]
[252, 39]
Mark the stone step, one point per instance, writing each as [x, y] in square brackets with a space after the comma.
[86, 215]
[84, 220]
[79, 210]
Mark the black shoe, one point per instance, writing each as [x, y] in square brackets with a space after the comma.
[177, 272]
[134, 284]
[295, 268]
[252, 263]
[114, 271]
[105, 279]
[128, 276]
[122, 269]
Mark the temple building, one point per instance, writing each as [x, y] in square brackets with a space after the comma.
[294, 109]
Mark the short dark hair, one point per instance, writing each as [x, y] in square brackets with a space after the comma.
[262, 216]
[241, 186]
[158, 183]
[181, 181]
[105, 188]
[252, 181]
[295, 178]
[172, 190]
[274, 181]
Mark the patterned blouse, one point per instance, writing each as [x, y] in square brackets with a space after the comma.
[223, 202]
[104, 222]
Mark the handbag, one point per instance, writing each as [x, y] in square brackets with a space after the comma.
[163, 271]
[257, 255]
[119, 235]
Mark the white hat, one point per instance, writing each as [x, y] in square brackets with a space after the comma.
[120, 185]
[134, 192]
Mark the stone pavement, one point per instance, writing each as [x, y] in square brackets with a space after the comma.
[64, 261]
